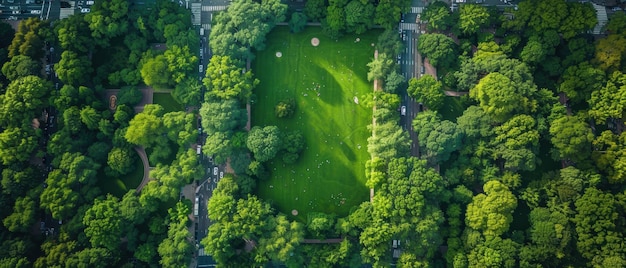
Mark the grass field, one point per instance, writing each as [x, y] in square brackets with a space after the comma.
[324, 80]
[120, 186]
[167, 101]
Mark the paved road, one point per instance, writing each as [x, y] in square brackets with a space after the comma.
[411, 66]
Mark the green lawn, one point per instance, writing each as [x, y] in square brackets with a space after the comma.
[330, 174]
[167, 101]
[120, 186]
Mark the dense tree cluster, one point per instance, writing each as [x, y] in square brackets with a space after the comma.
[527, 170]
[62, 145]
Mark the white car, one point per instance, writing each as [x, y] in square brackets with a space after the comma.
[36, 11]
[215, 171]
[85, 10]
[403, 110]
[221, 174]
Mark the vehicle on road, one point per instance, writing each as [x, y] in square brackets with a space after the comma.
[221, 174]
[215, 171]
[403, 110]
[35, 11]
[85, 10]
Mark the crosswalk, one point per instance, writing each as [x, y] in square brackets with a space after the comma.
[206, 26]
[213, 8]
[408, 26]
[417, 10]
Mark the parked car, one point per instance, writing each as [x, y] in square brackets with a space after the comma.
[215, 171]
[85, 10]
[221, 174]
[403, 110]
[35, 11]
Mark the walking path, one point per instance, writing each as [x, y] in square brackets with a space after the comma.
[454, 93]
[322, 241]
[146, 167]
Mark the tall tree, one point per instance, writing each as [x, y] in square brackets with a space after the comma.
[437, 138]
[23, 100]
[225, 80]
[73, 68]
[427, 90]
[103, 223]
[176, 250]
[21, 66]
[439, 49]
[572, 137]
[264, 142]
[472, 17]
[490, 213]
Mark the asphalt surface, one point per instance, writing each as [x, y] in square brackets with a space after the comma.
[410, 63]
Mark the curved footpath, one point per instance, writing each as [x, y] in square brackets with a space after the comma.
[146, 167]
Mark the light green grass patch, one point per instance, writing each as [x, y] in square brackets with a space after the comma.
[330, 174]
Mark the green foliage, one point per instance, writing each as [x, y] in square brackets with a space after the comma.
[617, 23]
[359, 16]
[315, 10]
[500, 97]
[606, 103]
[17, 145]
[438, 138]
[121, 160]
[188, 92]
[516, 142]
[156, 72]
[285, 108]
[298, 21]
[490, 213]
[181, 63]
[394, 82]
[439, 49]
[380, 67]
[568, 18]
[103, 225]
[579, 81]
[73, 69]
[29, 38]
[108, 20]
[142, 128]
[176, 249]
[320, 224]
[75, 171]
[427, 90]
[264, 142]
[234, 37]
[23, 216]
[224, 80]
[597, 228]
[471, 18]
[74, 34]
[387, 12]
[389, 43]
[389, 142]
[23, 100]
[20, 66]
[572, 137]
[438, 16]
